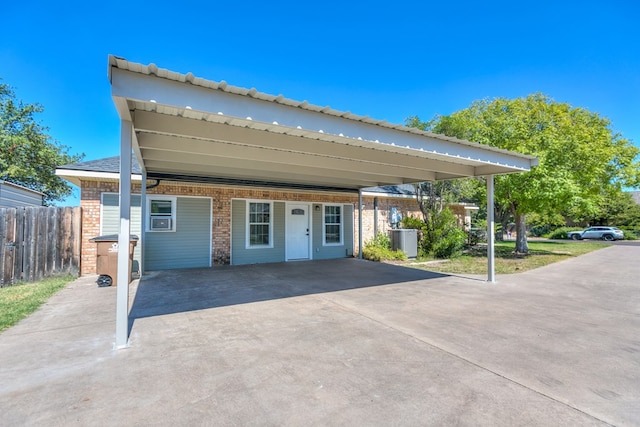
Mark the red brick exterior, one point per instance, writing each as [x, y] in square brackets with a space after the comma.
[221, 211]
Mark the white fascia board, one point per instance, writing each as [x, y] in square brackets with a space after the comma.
[388, 195]
[72, 173]
[148, 88]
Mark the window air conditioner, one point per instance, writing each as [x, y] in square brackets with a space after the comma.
[160, 223]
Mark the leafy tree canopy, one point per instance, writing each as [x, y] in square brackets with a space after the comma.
[28, 155]
[581, 158]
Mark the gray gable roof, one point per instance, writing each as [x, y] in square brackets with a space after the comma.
[108, 164]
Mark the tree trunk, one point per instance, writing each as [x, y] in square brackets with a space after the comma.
[504, 221]
[502, 216]
[521, 234]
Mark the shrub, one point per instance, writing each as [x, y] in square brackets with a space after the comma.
[445, 239]
[450, 245]
[631, 235]
[381, 240]
[541, 230]
[560, 233]
[441, 238]
[376, 253]
[379, 249]
[412, 222]
[476, 235]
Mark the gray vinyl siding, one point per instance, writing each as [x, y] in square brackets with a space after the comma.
[338, 251]
[240, 254]
[190, 245]
[14, 197]
[111, 220]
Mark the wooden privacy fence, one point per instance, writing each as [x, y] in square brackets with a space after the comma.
[37, 242]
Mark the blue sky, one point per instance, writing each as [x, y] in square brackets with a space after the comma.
[387, 60]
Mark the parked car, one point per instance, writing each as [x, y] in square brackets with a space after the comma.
[606, 233]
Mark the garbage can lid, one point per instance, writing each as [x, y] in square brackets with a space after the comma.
[112, 238]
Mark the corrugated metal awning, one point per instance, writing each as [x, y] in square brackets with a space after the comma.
[188, 126]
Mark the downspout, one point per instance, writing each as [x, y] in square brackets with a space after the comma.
[149, 187]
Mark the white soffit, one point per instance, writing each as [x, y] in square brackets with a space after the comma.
[192, 126]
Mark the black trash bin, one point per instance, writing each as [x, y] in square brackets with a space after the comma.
[107, 258]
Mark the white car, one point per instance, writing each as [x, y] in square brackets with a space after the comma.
[599, 232]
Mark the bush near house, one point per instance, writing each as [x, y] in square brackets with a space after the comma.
[379, 249]
[443, 238]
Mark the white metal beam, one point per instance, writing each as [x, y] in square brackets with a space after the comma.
[122, 293]
[491, 271]
[156, 123]
[143, 219]
[284, 175]
[185, 150]
[253, 168]
[360, 223]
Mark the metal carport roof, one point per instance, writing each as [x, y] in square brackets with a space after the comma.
[191, 126]
[182, 127]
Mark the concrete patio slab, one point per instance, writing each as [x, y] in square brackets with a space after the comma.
[343, 342]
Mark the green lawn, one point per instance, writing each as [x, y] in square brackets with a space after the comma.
[506, 262]
[19, 301]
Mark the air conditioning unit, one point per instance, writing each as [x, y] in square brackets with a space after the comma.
[160, 223]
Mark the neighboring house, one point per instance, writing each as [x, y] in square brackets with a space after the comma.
[636, 196]
[243, 224]
[14, 195]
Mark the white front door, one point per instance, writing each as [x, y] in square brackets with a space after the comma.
[298, 230]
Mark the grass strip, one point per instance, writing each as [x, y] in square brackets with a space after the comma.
[474, 261]
[20, 300]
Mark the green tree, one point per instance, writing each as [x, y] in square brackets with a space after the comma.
[439, 232]
[580, 156]
[433, 197]
[28, 155]
[619, 209]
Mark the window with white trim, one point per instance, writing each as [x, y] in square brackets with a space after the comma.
[161, 213]
[259, 224]
[332, 225]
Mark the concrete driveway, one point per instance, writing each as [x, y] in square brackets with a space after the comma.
[343, 342]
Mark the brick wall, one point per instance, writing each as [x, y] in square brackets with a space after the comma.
[221, 211]
[90, 192]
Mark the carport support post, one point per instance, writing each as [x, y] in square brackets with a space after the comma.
[360, 223]
[490, 232]
[122, 293]
[143, 218]
[375, 217]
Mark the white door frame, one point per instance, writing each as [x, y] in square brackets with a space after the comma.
[309, 208]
